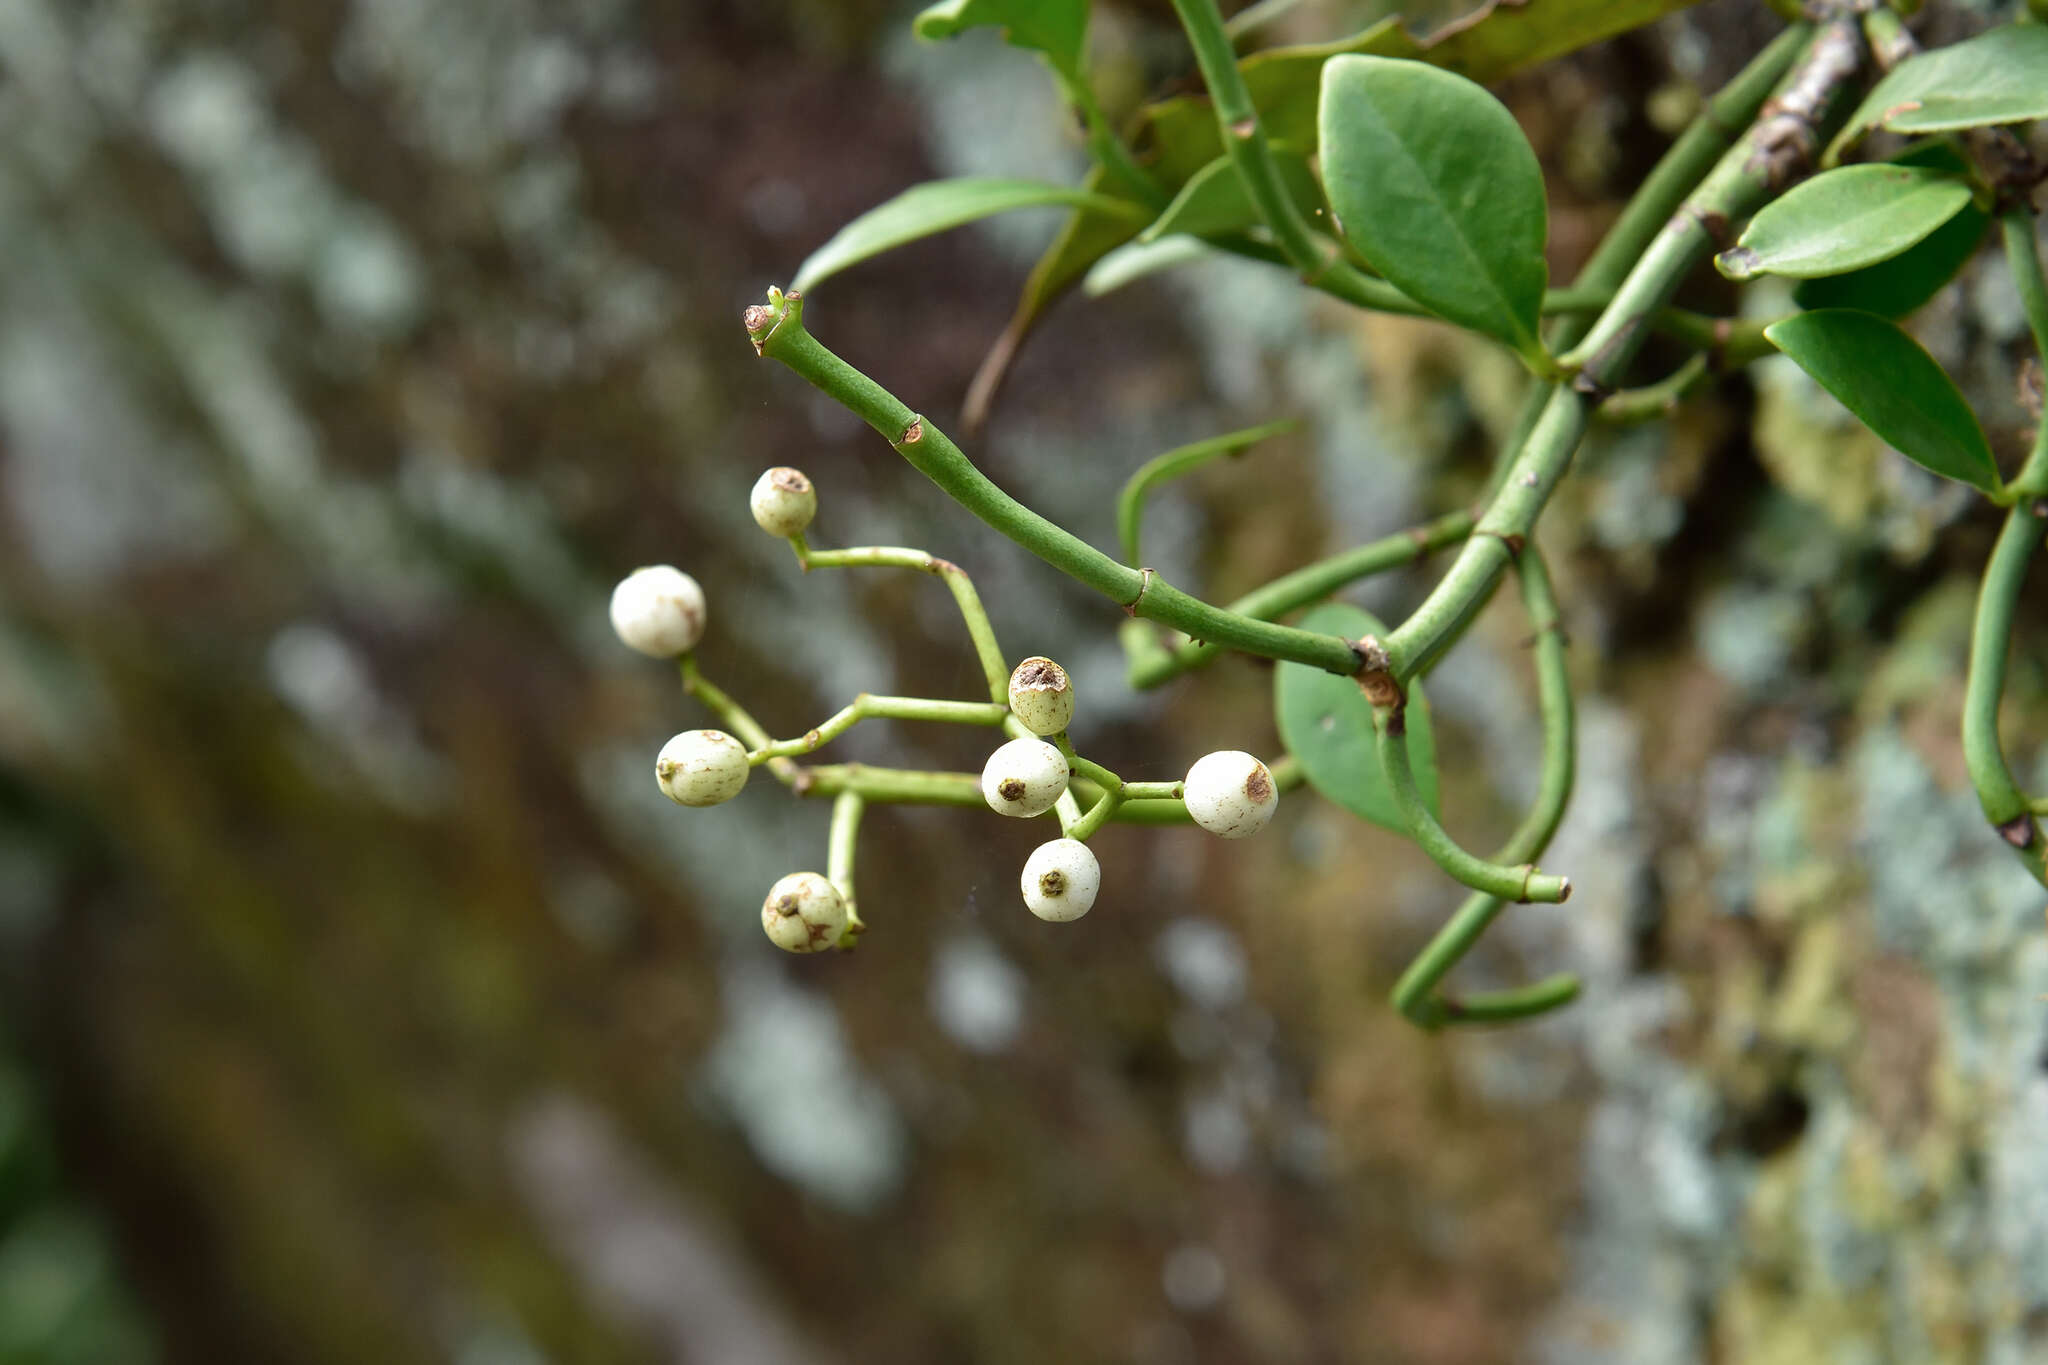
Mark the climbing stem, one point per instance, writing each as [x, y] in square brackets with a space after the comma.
[1415, 993]
[1130, 503]
[2005, 805]
[778, 332]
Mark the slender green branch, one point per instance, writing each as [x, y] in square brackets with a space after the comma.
[1105, 148]
[735, 716]
[840, 844]
[1653, 401]
[1770, 153]
[1130, 503]
[866, 706]
[2005, 805]
[2023, 259]
[956, 580]
[777, 331]
[1152, 663]
[1414, 995]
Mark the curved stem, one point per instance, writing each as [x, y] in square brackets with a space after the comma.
[983, 635]
[866, 706]
[1130, 503]
[1152, 663]
[847, 808]
[1414, 994]
[777, 331]
[2023, 259]
[2005, 805]
[1105, 148]
[1652, 401]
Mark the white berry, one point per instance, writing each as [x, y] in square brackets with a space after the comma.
[804, 913]
[701, 768]
[658, 611]
[783, 501]
[1230, 793]
[1060, 880]
[1041, 696]
[1024, 778]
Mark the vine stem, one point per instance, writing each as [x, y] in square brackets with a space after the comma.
[840, 845]
[778, 333]
[867, 706]
[2005, 805]
[979, 631]
[1415, 993]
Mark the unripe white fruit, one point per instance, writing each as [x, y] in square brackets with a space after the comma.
[804, 913]
[1061, 879]
[1024, 778]
[1041, 696]
[783, 501]
[1230, 793]
[701, 768]
[659, 611]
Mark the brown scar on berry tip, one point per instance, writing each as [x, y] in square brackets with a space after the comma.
[790, 481]
[785, 905]
[2018, 831]
[1011, 789]
[1040, 672]
[1053, 883]
[1259, 786]
[913, 433]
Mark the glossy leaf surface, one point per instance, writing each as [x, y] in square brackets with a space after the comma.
[1326, 723]
[1215, 199]
[939, 205]
[1895, 387]
[1996, 77]
[1896, 287]
[1432, 181]
[1843, 220]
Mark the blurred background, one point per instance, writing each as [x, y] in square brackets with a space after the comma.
[365, 1001]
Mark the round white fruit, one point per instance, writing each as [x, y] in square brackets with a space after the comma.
[1024, 778]
[804, 913]
[1230, 793]
[783, 502]
[1060, 880]
[701, 768]
[659, 611]
[1041, 696]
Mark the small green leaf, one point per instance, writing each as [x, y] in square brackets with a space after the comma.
[938, 205]
[1133, 261]
[1215, 200]
[1901, 285]
[1326, 723]
[1996, 77]
[1843, 220]
[1896, 388]
[1433, 182]
[1058, 28]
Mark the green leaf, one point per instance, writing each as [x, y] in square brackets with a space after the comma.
[938, 205]
[1843, 220]
[1326, 723]
[1432, 181]
[1901, 285]
[1996, 77]
[1896, 388]
[1134, 261]
[1058, 28]
[1215, 200]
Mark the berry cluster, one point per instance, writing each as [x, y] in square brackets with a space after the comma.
[660, 611]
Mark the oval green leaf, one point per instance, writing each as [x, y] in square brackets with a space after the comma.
[1996, 77]
[1901, 285]
[1843, 220]
[1057, 28]
[1896, 388]
[939, 205]
[1326, 723]
[1432, 181]
[1214, 200]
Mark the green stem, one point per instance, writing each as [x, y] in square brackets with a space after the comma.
[2023, 259]
[1415, 993]
[847, 808]
[1105, 148]
[1748, 173]
[957, 582]
[1656, 400]
[1149, 667]
[869, 707]
[735, 716]
[1130, 503]
[778, 333]
[2005, 805]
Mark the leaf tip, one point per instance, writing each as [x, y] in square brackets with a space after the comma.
[1738, 263]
